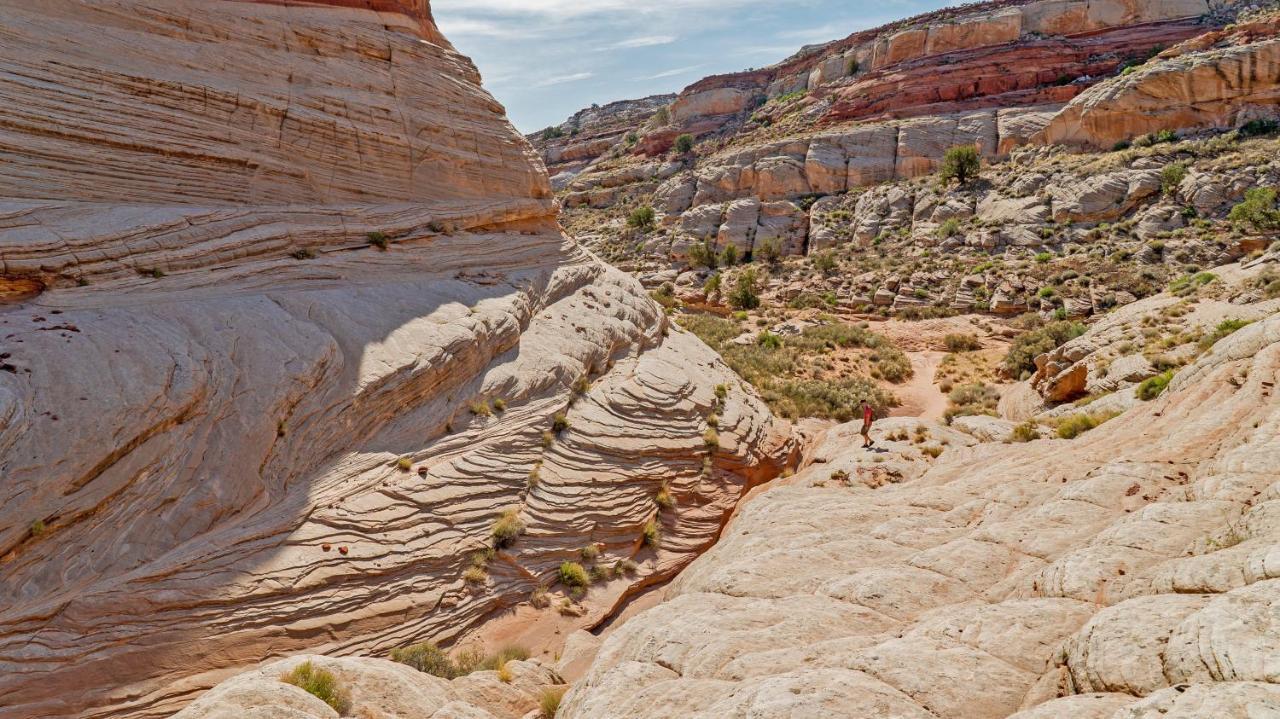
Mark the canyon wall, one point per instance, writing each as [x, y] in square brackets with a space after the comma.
[288, 323]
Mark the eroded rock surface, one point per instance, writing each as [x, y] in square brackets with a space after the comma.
[1123, 574]
[232, 427]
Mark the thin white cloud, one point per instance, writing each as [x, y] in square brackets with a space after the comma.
[562, 79]
[671, 73]
[647, 41]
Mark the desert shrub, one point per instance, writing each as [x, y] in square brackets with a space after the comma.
[852, 67]
[652, 533]
[834, 399]
[711, 329]
[573, 575]
[1024, 350]
[589, 553]
[1172, 176]
[744, 295]
[1044, 257]
[962, 343]
[703, 254]
[378, 239]
[1187, 284]
[507, 528]
[712, 286]
[321, 684]
[481, 409]
[769, 340]
[684, 144]
[549, 702]
[38, 528]
[950, 228]
[1258, 128]
[824, 262]
[1026, 432]
[1077, 424]
[837, 334]
[427, 658]
[961, 163]
[729, 255]
[642, 218]
[1258, 211]
[559, 422]
[1225, 328]
[665, 295]
[664, 499]
[892, 364]
[499, 405]
[972, 399]
[404, 464]
[1154, 386]
[769, 251]
[662, 117]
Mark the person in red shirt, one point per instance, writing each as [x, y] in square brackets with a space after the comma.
[868, 416]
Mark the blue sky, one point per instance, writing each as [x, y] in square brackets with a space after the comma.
[546, 59]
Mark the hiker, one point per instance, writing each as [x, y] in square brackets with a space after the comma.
[868, 415]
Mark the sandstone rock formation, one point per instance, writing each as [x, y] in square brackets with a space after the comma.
[1127, 573]
[1223, 85]
[287, 325]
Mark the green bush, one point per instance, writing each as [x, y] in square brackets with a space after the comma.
[378, 239]
[743, 296]
[1258, 128]
[1044, 257]
[712, 286]
[573, 575]
[950, 228]
[1188, 284]
[684, 144]
[1077, 424]
[824, 262]
[729, 256]
[321, 684]
[1154, 386]
[427, 658]
[961, 163]
[1024, 350]
[507, 528]
[711, 329]
[703, 254]
[769, 340]
[642, 218]
[1026, 432]
[651, 534]
[892, 364]
[962, 343]
[1258, 211]
[769, 251]
[1223, 329]
[1172, 176]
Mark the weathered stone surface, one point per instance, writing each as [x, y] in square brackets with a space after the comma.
[1214, 88]
[202, 433]
[994, 580]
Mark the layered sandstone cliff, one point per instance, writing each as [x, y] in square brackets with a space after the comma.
[1127, 574]
[288, 323]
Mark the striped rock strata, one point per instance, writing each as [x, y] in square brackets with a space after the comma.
[232, 428]
[1132, 573]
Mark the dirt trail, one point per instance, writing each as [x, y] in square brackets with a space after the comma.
[920, 396]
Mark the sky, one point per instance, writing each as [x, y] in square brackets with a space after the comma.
[547, 59]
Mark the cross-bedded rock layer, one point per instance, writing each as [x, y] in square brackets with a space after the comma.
[1127, 574]
[231, 427]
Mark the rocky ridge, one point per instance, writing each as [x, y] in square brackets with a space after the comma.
[288, 327]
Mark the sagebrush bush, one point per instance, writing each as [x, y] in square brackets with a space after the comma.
[642, 218]
[321, 684]
[1026, 432]
[573, 574]
[1021, 358]
[962, 343]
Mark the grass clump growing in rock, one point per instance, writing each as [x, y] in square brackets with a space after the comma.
[431, 659]
[321, 684]
[1224, 329]
[1026, 432]
[652, 533]
[1077, 424]
[573, 574]
[549, 702]
[559, 422]
[378, 239]
[1153, 387]
[507, 529]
